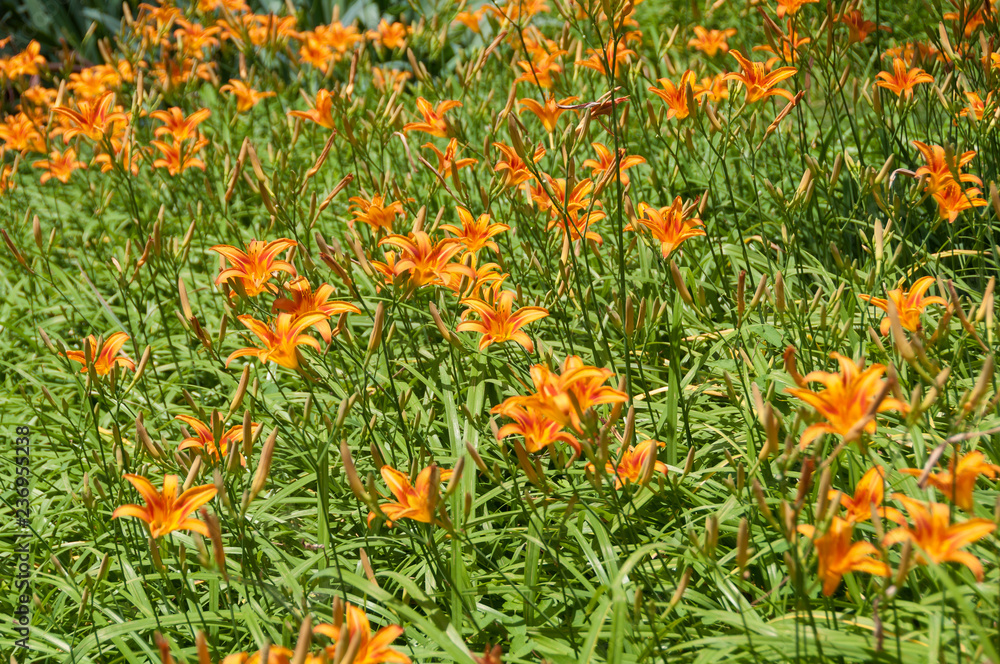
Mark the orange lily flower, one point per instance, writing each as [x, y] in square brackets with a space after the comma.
[196, 38]
[281, 341]
[94, 119]
[497, 324]
[973, 20]
[246, 97]
[758, 81]
[564, 397]
[791, 7]
[416, 501]
[387, 78]
[629, 469]
[515, 170]
[321, 112]
[790, 44]
[59, 165]
[845, 401]
[715, 88]
[939, 539]
[711, 42]
[537, 430]
[938, 172]
[18, 133]
[475, 233]
[372, 648]
[471, 19]
[105, 357]
[858, 28]
[434, 122]
[560, 207]
[448, 166]
[165, 511]
[204, 439]
[341, 38]
[976, 107]
[316, 53]
[549, 112]
[487, 275]
[24, 63]
[669, 225]
[902, 79]
[376, 213]
[952, 200]
[597, 59]
[957, 483]
[868, 492]
[306, 301]
[838, 556]
[909, 304]
[275, 655]
[254, 267]
[178, 157]
[605, 162]
[540, 70]
[390, 35]
[178, 126]
[426, 262]
[123, 155]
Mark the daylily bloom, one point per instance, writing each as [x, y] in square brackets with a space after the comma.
[196, 38]
[254, 267]
[565, 396]
[971, 20]
[538, 430]
[487, 276]
[314, 52]
[390, 35]
[246, 97]
[448, 165]
[598, 59]
[568, 212]
[424, 261]
[94, 119]
[417, 501]
[306, 301]
[178, 126]
[178, 157]
[105, 357]
[845, 400]
[675, 96]
[25, 63]
[540, 70]
[372, 648]
[976, 107]
[952, 200]
[18, 133]
[957, 483]
[59, 165]
[549, 112]
[341, 38]
[938, 172]
[515, 170]
[497, 324]
[902, 79]
[321, 111]
[376, 213]
[165, 511]
[909, 304]
[281, 341]
[633, 461]
[939, 539]
[204, 438]
[475, 233]
[858, 28]
[838, 556]
[758, 81]
[387, 78]
[434, 122]
[788, 50]
[711, 42]
[471, 19]
[606, 162]
[715, 88]
[868, 495]
[669, 225]
[790, 7]
[275, 655]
